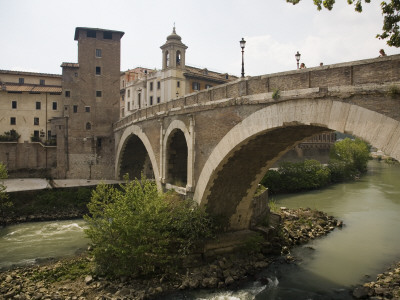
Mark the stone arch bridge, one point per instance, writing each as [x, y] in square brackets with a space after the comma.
[217, 144]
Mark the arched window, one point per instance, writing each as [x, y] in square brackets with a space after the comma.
[178, 58]
[88, 126]
[167, 59]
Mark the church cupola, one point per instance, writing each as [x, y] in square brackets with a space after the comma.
[173, 52]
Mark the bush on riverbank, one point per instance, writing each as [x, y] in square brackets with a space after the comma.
[137, 231]
[348, 160]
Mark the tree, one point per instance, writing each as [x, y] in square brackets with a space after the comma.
[353, 155]
[390, 12]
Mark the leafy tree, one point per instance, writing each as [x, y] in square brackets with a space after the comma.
[354, 153]
[136, 230]
[5, 204]
[390, 11]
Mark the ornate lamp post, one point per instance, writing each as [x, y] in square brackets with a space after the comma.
[242, 44]
[297, 55]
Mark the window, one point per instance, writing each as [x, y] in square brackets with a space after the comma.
[208, 86]
[35, 121]
[98, 52]
[38, 105]
[14, 104]
[107, 35]
[88, 126]
[151, 86]
[226, 76]
[178, 58]
[158, 85]
[75, 108]
[98, 93]
[151, 100]
[67, 94]
[196, 86]
[76, 74]
[21, 80]
[98, 70]
[129, 106]
[13, 121]
[42, 81]
[129, 93]
[158, 99]
[167, 59]
[36, 134]
[178, 84]
[54, 105]
[99, 142]
[87, 109]
[91, 33]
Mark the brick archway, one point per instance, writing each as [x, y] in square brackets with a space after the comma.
[128, 133]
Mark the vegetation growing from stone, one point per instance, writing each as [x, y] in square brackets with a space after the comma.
[5, 203]
[47, 205]
[10, 136]
[390, 12]
[136, 230]
[348, 160]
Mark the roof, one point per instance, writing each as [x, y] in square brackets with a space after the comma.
[208, 75]
[31, 88]
[77, 29]
[69, 65]
[28, 73]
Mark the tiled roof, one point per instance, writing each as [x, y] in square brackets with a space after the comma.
[207, 74]
[69, 65]
[28, 73]
[9, 87]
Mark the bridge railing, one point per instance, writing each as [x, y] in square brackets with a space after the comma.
[369, 71]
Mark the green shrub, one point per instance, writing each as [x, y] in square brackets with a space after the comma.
[10, 136]
[136, 230]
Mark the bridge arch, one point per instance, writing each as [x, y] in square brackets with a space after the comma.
[178, 139]
[133, 136]
[226, 185]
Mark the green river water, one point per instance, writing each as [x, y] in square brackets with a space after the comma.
[327, 268]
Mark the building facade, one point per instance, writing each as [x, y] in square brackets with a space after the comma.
[151, 87]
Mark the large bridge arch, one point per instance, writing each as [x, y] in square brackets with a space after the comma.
[135, 132]
[275, 129]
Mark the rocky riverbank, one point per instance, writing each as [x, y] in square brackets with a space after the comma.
[386, 286]
[75, 279]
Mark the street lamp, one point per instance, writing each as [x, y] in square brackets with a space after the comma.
[242, 44]
[297, 55]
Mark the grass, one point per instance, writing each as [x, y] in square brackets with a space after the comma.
[64, 270]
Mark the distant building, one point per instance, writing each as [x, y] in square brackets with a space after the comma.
[143, 87]
[27, 101]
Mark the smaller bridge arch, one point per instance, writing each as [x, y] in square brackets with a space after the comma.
[178, 138]
[140, 141]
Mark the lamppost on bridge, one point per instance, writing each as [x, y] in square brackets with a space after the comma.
[242, 44]
[297, 55]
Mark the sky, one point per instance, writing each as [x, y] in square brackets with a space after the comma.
[38, 35]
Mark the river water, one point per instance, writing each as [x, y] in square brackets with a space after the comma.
[326, 268]
[28, 242]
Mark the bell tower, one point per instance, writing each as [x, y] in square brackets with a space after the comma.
[173, 52]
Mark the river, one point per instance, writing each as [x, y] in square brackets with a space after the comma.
[326, 268]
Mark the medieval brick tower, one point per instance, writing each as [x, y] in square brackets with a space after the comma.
[85, 143]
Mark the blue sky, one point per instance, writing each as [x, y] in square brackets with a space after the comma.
[38, 35]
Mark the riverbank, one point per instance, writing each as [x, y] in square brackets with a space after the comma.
[386, 286]
[75, 279]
